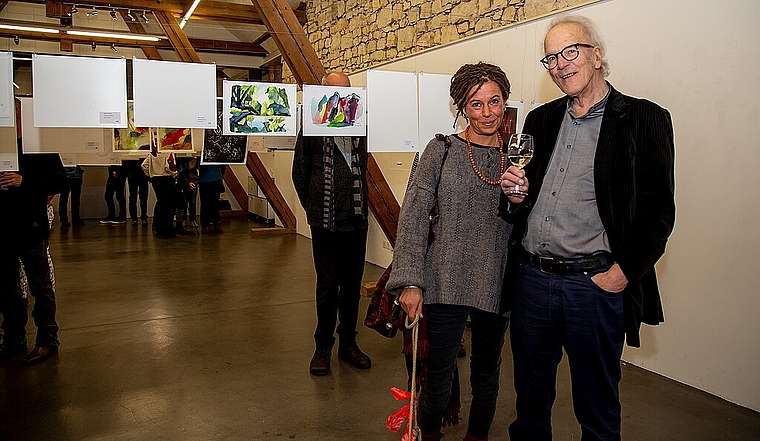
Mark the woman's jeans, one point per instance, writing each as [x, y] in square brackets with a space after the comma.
[445, 327]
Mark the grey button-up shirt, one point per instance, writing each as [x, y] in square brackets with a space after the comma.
[565, 220]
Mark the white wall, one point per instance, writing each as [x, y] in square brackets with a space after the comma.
[701, 61]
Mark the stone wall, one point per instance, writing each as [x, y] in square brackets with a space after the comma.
[353, 35]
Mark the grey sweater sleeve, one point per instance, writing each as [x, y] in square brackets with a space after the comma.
[414, 224]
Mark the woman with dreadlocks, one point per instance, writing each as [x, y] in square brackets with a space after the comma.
[459, 273]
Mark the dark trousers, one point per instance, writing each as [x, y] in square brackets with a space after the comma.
[551, 312]
[138, 187]
[163, 186]
[190, 206]
[339, 264]
[39, 274]
[445, 326]
[210, 192]
[115, 187]
[75, 189]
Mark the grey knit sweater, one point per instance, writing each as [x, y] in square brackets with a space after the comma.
[465, 263]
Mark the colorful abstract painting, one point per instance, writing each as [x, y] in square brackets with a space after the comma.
[131, 138]
[334, 111]
[219, 148]
[259, 108]
[175, 139]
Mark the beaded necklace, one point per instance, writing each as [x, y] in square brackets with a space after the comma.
[502, 168]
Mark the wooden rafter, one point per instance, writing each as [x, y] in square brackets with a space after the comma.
[151, 52]
[249, 49]
[291, 39]
[177, 37]
[206, 10]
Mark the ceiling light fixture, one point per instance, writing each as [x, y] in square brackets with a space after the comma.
[113, 47]
[189, 13]
[92, 13]
[141, 37]
[29, 28]
[144, 17]
[16, 39]
[130, 16]
[74, 10]
[113, 14]
[94, 46]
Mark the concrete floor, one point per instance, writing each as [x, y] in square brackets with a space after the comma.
[209, 338]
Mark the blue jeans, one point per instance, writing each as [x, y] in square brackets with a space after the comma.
[39, 275]
[445, 326]
[552, 312]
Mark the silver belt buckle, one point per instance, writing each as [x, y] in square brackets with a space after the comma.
[541, 261]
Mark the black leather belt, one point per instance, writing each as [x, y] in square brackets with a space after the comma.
[558, 265]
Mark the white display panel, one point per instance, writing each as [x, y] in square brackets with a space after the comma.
[253, 108]
[392, 111]
[7, 112]
[174, 95]
[8, 149]
[83, 146]
[437, 110]
[79, 91]
[334, 111]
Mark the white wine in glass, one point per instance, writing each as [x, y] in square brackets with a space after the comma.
[519, 152]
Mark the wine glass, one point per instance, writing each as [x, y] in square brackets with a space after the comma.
[519, 152]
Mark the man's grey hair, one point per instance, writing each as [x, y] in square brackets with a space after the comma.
[589, 27]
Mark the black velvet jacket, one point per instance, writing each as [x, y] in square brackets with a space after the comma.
[635, 186]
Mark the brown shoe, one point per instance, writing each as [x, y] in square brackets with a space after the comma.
[39, 354]
[355, 357]
[320, 362]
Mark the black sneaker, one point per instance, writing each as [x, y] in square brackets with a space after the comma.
[134, 222]
[107, 221]
[119, 220]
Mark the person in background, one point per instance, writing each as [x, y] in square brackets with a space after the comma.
[187, 167]
[210, 186]
[115, 188]
[74, 175]
[162, 175]
[597, 217]
[25, 233]
[460, 273]
[137, 183]
[329, 174]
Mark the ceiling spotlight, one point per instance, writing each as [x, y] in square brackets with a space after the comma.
[94, 46]
[16, 39]
[92, 13]
[144, 17]
[113, 47]
[113, 14]
[130, 16]
[73, 11]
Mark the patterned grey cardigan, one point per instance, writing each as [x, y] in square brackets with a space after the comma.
[465, 263]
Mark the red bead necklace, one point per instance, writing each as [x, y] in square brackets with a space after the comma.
[502, 168]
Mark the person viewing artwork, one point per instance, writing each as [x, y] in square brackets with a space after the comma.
[459, 273]
[329, 174]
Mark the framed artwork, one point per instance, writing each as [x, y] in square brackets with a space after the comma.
[175, 139]
[514, 116]
[259, 108]
[132, 138]
[219, 148]
[334, 111]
